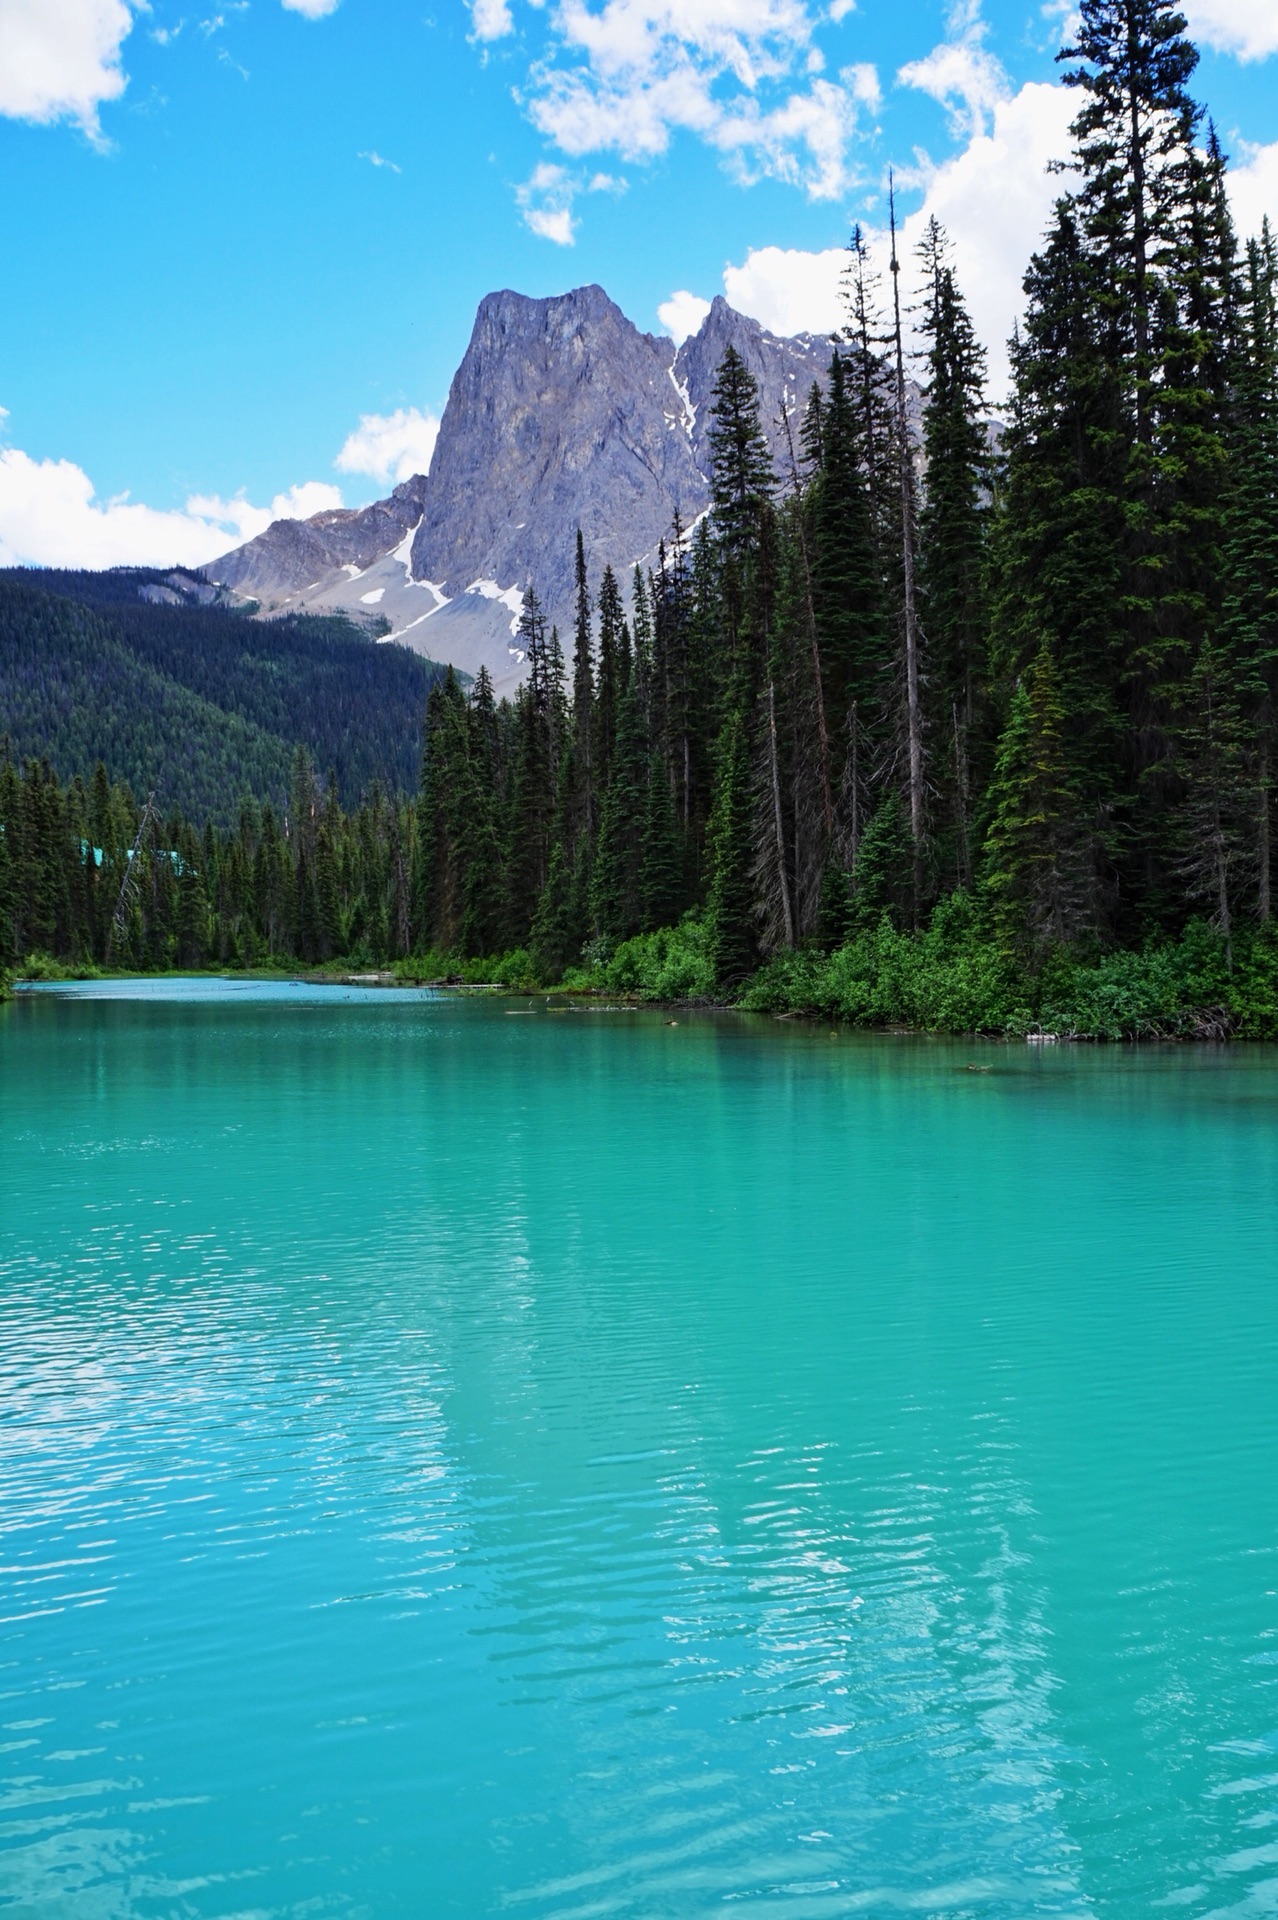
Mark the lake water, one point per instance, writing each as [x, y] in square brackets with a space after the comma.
[464, 1460]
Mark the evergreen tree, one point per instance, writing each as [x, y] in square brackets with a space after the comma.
[533, 790]
[1059, 537]
[854, 636]
[583, 706]
[661, 884]
[192, 915]
[1035, 855]
[731, 939]
[1249, 560]
[485, 909]
[1132, 64]
[740, 464]
[617, 878]
[1217, 831]
[952, 542]
[611, 681]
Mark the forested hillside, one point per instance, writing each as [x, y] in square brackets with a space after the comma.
[200, 703]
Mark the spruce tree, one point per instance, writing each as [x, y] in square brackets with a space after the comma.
[661, 879]
[485, 917]
[740, 464]
[533, 789]
[611, 683]
[1217, 835]
[583, 703]
[1250, 546]
[731, 938]
[616, 879]
[852, 625]
[1035, 851]
[1059, 537]
[952, 544]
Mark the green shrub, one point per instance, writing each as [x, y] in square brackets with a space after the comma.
[672, 964]
[43, 967]
[513, 969]
[949, 979]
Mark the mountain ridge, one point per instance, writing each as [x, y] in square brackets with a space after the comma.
[562, 414]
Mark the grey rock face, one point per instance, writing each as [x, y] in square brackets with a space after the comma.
[561, 415]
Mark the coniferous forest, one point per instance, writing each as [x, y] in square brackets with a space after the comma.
[964, 726]
[200, 700]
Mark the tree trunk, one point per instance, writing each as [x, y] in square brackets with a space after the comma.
[778, 820]
[1262, 902]
[913, 714]
[960, 781]
[823, 737]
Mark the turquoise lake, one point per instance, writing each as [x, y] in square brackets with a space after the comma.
[464, 1458]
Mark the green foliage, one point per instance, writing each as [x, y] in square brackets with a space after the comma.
[1035, 868]
[43, 968]
[730, 908]
[514, 969]
[951, 978]
[741, 467]
[673, 963]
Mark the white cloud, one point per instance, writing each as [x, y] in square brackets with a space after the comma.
[553, 223]
[491, 19]
[1253, 190]
[375, 159]
[60, 59]
[546, 199]
[682, 314]
[50, 517]
[960, 73]
[390, 445]
[994, 198]
[787, 290]
[299, 503]
[737, 74]
[967, 80]
[1247, 28]
[804, 141]
[311, 9]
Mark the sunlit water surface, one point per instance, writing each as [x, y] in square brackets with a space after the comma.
[460, 1460]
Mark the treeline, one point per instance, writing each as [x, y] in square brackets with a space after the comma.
[199, 702]
[88, 875]
[1041, 672]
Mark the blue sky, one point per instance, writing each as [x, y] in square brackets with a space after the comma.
[234, 230]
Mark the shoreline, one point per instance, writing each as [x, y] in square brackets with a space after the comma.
[1212, 1030]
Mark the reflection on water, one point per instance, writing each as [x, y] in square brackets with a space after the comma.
[454, 1463]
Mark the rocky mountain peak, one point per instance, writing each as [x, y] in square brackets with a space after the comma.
[562, 414]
